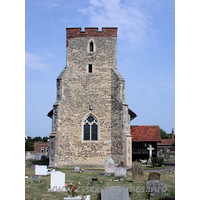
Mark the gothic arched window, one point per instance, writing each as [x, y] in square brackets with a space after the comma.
[90, 128]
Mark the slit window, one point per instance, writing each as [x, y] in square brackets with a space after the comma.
[91, 46]
[90, 68]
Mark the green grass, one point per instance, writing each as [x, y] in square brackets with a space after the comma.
[39, 190]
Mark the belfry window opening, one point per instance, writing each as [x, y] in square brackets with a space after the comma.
[91, 46]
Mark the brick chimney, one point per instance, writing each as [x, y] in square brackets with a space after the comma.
[172, 134]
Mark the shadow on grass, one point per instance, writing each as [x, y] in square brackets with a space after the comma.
[39, 162]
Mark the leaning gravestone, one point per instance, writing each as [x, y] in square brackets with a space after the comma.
[137, 172]
[120, 171]
[109, 166]
[115, 193]
[154, 176]
[35, 179]
[57, 182]
[156, 189]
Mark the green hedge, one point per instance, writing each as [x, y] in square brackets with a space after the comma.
[157, 161]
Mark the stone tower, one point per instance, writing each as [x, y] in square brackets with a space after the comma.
[90, 118]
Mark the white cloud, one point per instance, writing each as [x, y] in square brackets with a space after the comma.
[134, 22]
[34, 61]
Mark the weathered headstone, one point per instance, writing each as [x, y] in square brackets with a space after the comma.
[57, 182]
[35, 179]
[137, 172]
[156, 188]
[154, 176]
[77, 169]
[41, 170]
[102, 174]
[115, 193]
[109, 166]
[121, 164]
[120, 171]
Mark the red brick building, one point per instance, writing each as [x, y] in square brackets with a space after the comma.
[142, 137]
[41, 147]
[167, 143]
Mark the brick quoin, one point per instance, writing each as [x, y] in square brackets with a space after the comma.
[90, 32]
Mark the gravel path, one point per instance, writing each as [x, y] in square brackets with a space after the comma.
[167, 168]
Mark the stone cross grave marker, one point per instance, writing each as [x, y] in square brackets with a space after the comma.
[115, 193]
[137, 172]
[150, 148]
[41, 170]
[109, 166]
[57, 182]
[154, 176]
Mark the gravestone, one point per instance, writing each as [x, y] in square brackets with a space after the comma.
[154, 176]
[120, 171]
[156, 188]
[115, 193]
[121, 164]
[102, 174]
[57, 182]
[150, 149]
[77, 169]
[41, 170]
[35, 179]
[137, 172]
[109, 166]
[171, 156]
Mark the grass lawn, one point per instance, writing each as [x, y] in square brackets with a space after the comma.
[39, 190]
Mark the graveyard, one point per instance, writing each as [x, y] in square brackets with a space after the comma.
[93, 181]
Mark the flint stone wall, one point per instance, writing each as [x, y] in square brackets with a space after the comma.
[77, 89]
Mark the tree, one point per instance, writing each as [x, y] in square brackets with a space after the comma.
[29, 146]
[163, 134]
[44, 139]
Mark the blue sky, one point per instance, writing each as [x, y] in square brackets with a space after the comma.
[145, 55]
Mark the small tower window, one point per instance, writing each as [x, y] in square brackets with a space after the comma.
[90, 68]
[91, 46]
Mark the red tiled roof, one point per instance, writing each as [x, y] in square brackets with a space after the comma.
[166, 142]
[145, 133]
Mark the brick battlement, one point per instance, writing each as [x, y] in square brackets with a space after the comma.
[91, 32]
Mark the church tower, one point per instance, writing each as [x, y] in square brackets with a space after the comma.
[90, 118]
